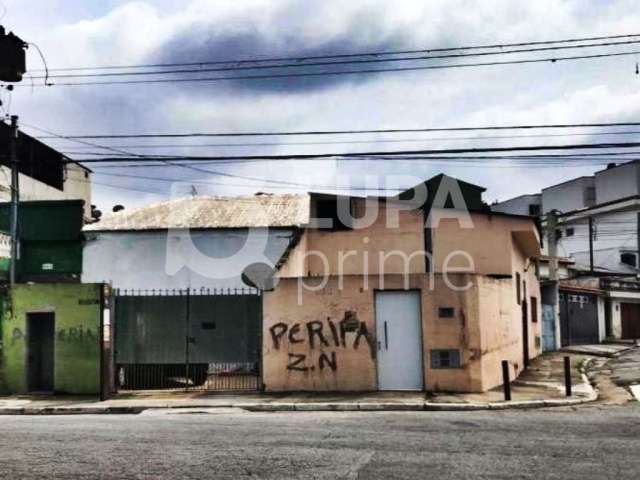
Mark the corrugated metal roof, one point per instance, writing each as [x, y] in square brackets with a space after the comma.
[262, 210]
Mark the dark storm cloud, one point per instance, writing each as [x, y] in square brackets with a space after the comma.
[203, 42]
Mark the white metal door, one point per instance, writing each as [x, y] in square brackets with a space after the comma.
[399, 336]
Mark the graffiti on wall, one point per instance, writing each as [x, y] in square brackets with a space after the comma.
[326, 337]
[72, 334]
[76, 334]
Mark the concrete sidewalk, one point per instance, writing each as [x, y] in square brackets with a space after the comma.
[609, 350]
[542, 385]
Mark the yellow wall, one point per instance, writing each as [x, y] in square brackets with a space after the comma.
[357, 251]
[486, 329]
[488, 242]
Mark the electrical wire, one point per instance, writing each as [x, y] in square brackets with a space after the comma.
[44, 61]
[118, 187]
[279, 184]
[341, 72]
[353, 131]
[77, 140]
[298, 64]
[390, 154]
[340, 142]
[351, 55]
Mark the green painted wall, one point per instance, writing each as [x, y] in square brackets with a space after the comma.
[77, 335]
[3, 301]
[50, 237]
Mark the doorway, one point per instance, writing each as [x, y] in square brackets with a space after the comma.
[399, 335]
[630, 320]
[40, 351]
[525, 333]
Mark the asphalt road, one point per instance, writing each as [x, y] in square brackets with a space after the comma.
[589, 443]
[626, 368]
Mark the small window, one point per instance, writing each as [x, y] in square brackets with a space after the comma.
[534, 210]
[534, 309]
[327, 214]
[445, 359]
[446, 312]
[568, 232]
[629, 259]
[518, 288]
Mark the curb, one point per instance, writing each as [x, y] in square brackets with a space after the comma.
[315, 407]
[591, 396]
[72, 410]
[601, 354]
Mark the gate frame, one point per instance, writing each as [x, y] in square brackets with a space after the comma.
[108, 367]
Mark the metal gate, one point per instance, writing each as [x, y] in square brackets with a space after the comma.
[548, 328]
[578, 318]
[197, 339]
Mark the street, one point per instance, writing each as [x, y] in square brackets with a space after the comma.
[585, 443]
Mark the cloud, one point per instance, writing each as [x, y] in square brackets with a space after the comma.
[121, 32]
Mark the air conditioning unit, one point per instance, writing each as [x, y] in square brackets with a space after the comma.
[12, 57]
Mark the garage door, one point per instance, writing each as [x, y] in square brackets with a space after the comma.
[578, 318]
[630, 313]
[188, 339]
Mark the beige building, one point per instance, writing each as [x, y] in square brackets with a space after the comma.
[404, 295]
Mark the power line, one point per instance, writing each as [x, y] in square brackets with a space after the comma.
[76, 140]
[554, 160]
[75, 150]
[282, 184]
[390, 154]
[299, 64]
[276, 76]
[349, 55]
[118, 187]
[352, 132]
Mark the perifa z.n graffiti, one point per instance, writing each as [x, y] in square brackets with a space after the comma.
[349, 333]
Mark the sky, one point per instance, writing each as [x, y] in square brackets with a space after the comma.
[74, 33]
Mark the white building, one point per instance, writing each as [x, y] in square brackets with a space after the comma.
[44, 173]
[194, 242]
[598, 223]
[609, 200]
[522, 205]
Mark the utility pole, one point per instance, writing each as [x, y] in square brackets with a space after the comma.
[591, 244]
[15, 198]
[552, 239]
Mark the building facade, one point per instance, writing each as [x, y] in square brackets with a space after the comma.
[597, 224]
[51, 324]
[430, 302]
[398, 295]
[44, 173]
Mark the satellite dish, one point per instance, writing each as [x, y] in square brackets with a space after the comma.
[260, 276]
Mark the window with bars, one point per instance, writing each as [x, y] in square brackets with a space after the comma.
[445, 359]
[446, 312]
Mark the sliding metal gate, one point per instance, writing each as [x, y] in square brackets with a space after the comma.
[200, 339]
